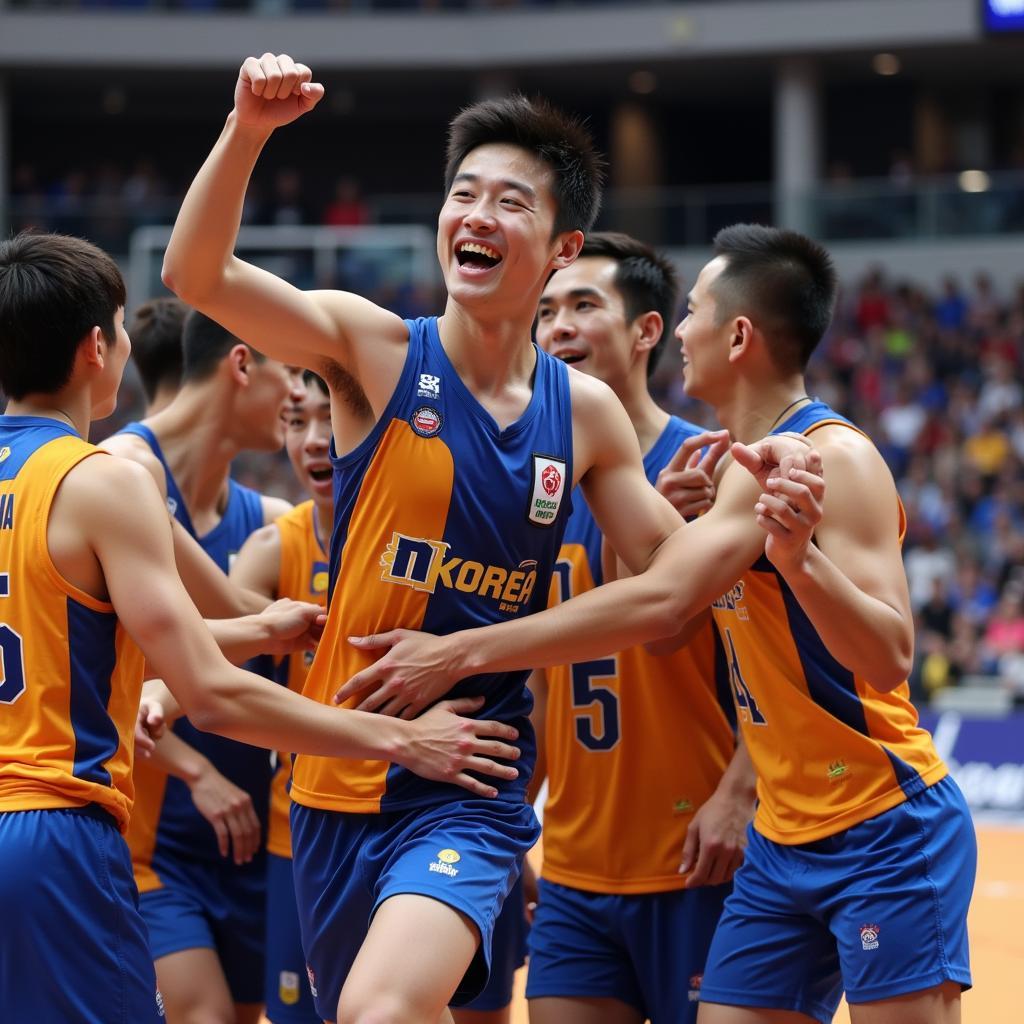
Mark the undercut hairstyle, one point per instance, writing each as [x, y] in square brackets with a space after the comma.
[157, 350]
[646, 280]
[558, 139]
[54, 289]
[204, 344]
[309, 377]
[784, 281]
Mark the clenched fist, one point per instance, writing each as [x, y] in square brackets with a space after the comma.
[273, 91]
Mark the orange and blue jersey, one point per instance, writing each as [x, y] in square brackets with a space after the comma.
[635, 742]
[830, 750]
[443, 521]
[166, 821]
[71, 676]
[302, 576]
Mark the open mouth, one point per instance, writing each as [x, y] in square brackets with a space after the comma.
[320, 475]
[473, 254]
[569, 356]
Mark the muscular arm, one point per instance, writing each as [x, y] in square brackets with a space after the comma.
[851, 583]
[257, 566]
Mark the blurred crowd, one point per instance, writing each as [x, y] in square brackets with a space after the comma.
[935, 379]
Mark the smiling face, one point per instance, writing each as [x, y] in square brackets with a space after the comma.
[581, 319]
[307, 441]
[705, 341]
[494, 232]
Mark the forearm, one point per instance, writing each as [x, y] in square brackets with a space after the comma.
[242, 638]
[203, 239]
[175, 757]
[864, 634]
[739, 780]
[216, 596]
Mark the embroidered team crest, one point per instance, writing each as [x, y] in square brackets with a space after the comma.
[288, 988]
[426, 421]
[548, 488]
[869, 936]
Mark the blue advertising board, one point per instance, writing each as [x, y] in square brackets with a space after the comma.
[986, 757]
[1003, 15]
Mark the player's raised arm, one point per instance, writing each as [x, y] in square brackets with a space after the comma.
[850, 581]
[286, 323]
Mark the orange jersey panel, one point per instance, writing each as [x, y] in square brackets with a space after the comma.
[345, 784]
[302, 577]
[830, 750]
[71, 676]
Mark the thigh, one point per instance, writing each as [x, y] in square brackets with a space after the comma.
[939, 1005]
[711, 1013]
[900, 917]
[770, 952]
[577, 951]
[583, 1010]
[193, 987]
[415, 954]
[286, 988]
[78, 947]
[668, 936]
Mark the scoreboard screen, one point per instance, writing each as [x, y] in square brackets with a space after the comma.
[1003, 15]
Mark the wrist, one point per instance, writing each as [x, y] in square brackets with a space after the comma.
[391, 737]
[193, 769]
[248, 134]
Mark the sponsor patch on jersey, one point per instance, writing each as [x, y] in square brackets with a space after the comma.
[449, 856]
[547, 490]
[429, 386]
[5, 453]
[426, 421]
[288, 987]
[869, 936]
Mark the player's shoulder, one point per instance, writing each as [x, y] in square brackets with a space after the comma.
[134, 449]
[359, 315]
[273, 508]
[108, 482]
[845, 449]
[264, 541]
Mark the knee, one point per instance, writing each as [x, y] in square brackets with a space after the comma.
[375, 1008]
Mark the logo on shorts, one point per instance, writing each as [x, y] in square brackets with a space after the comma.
[444, 862]
[694, 993]
[426, 421]
[312, 980]
[288, 987]
[869, 936]
[429, 386]
[159, 1003]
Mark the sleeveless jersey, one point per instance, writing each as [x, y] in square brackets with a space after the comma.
[442, 522]
[71, 676]
[830, 750]
[302, 577]
[166, 821]
[635, 743]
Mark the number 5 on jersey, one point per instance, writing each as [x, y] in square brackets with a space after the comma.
[12, 660]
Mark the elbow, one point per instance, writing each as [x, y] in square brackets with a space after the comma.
[178, 278]
[896, 670]
[209, 712]
[668, 613]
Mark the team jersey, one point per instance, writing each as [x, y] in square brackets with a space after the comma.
[302, 577]
[166, 821]
[635, 743]
[830, 750]
[442, 522]
[71, 676]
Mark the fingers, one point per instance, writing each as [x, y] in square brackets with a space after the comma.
[687, 455]
[221, 830]
[475, 786]
[485, 766]
[714, 452]
[466, 706]
[491, 729]
[690, 845]
[749, 458]
[357, 684]
[276, 77]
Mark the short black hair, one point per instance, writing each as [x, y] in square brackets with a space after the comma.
[309, 377]
[559, 139]
[155, 331]
[646, 280]
[784, 280]
[54, 289]
[204, 344]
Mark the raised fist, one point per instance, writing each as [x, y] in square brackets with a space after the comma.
[273, 91]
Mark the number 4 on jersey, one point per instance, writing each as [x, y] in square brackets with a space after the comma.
[744, 698]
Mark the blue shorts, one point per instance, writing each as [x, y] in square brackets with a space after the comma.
[216, 905]
[74, 947]
[879, 910]
[647, 950]
[466, 854]
[508, 952]
[286, 988]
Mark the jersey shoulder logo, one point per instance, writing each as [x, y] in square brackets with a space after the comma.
[547, 489]
[429, 386]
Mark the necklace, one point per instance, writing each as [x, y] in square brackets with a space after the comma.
[778, 419]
